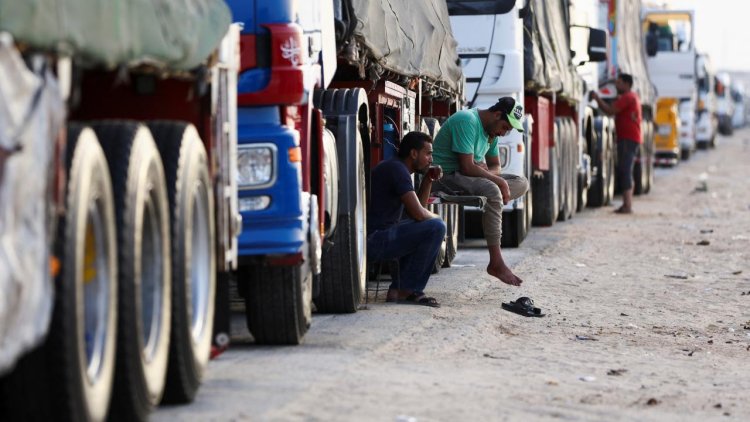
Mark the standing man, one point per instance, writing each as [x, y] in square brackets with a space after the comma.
[627, 112]
[466, 148]
[413, 239]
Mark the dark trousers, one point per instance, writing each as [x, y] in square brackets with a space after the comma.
[415, 244]
[627, 150]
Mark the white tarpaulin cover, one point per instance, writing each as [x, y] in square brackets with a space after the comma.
[548, 65]
[629, 49]
[411, 38]
[31, 114]
[173, 34]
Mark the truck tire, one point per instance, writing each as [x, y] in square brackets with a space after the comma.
[144, 267]
[546, 194]
[441, 210]
[344, 271]
[514, 228]
[567, 169]
[341, 286]
[611, 164]
[451, 233]
[277, 303]
[83, 333]
[649, 181]
[193, 256]
[601, 160]
[433, 126]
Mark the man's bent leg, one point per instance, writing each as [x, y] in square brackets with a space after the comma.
[492, 218]
[416, 267]
[518, 185]
[414, 244]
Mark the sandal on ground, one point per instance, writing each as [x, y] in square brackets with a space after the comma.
[523, 306]
[421, 299]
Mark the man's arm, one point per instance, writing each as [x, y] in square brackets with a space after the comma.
[469, 168]
[424, 190]
[610, 109]
[414, 209]
[493, 164]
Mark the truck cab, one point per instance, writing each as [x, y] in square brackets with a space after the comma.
[669, 37]
[706, 125]
[490, 46]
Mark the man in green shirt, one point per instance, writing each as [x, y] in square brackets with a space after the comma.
[466, 149]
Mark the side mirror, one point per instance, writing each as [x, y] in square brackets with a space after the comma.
[597, 48]
[652, 44]
[524, 11]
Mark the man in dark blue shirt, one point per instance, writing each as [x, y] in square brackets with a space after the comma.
[413, 239]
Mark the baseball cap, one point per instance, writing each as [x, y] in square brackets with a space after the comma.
[513, 110]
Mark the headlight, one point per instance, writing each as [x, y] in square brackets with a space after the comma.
[503, 155]
[665, 130]
[256, 165]
[254, 203]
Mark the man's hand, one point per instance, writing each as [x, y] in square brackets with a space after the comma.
[504, 189]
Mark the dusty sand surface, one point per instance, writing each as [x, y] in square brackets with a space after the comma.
[645, 321]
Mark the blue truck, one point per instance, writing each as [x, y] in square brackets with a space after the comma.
[323, 94]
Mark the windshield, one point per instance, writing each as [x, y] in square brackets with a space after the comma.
[671, 31]
[480, 7]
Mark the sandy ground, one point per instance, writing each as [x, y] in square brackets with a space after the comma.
[645, 321]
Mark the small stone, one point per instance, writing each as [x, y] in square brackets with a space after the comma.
[717, 406]
[703, 242]
[652, 402]
[710, 342]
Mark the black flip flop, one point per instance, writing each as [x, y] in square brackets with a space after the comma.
[420, 299]
[523, 306]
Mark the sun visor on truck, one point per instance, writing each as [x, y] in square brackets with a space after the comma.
[170, 34]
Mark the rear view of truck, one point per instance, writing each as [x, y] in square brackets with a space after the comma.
[118, 186]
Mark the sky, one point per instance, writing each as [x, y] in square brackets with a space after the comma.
[722, 29]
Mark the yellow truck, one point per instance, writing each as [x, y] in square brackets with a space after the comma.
[666, 141]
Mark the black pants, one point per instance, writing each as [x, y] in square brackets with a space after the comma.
[626, 153]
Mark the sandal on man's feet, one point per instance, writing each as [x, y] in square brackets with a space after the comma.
[393, 295]
[623, 210]
[420, 299]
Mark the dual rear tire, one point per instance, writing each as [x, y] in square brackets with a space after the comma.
[135, 294]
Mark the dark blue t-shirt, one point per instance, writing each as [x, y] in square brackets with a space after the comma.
[388, 180]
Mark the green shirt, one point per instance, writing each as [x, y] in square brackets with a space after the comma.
[462, 133]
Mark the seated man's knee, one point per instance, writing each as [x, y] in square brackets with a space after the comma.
[435, 228]
[492, 193]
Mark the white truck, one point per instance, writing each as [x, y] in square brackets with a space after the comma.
[512, 49]
[724, 103]
[670, 36]
[706, 125]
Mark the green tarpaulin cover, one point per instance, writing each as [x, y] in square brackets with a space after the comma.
[172, 34]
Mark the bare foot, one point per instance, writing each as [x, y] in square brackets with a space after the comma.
[504, 274]
[624, 210]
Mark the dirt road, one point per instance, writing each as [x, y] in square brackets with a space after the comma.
[648, 318]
